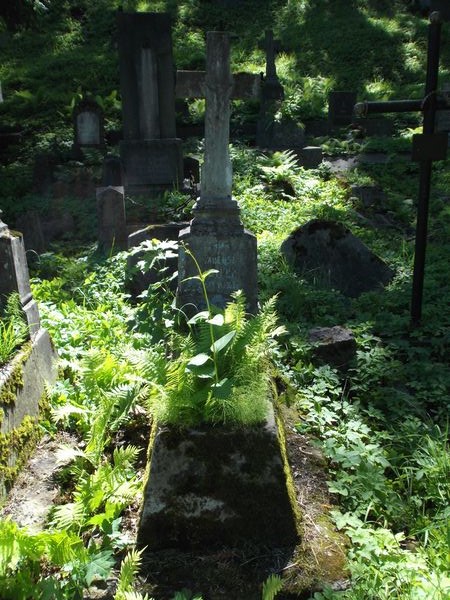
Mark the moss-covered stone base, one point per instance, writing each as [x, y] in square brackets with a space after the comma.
[215, 487]
[22, 390]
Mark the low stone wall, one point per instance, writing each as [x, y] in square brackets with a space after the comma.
[22, 390]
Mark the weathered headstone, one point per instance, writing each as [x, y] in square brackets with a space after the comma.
[326, 252]
[138, 282]
[14, 274]
[150, 152]
[31, 227]
[333, 345]
[88, 125]
[112, 226]
[216, 236]
[112, 172]
[340, 107]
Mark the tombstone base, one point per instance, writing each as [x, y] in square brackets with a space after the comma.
[213, 487]
[151, 165]
[232, 251]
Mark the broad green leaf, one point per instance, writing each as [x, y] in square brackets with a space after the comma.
[203, 315]
[198, 360]
[216, 320]
[222, 389]
[223, 342]
[99, 567]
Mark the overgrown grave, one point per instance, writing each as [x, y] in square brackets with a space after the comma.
[218, 479]
[24, 377]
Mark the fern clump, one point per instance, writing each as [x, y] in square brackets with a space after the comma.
[220, 373]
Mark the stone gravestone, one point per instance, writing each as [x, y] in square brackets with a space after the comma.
[340, 108]
[35, 362]
[31, 227]
[112, 226]
[150, 152]
[14, 274]
[88, 125]
[216, 236]
[326, 252]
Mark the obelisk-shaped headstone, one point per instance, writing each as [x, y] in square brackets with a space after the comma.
[216, 236]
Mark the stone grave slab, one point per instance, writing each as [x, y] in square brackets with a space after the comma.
[328, 254]
[215, 487]
[333, 345]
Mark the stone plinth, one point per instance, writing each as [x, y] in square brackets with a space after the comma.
[333, 345]
[218, 240]
[213, 487]
[138, 282]
[112, 227]
[151, 164]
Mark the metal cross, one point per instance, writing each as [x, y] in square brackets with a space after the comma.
[427, 147]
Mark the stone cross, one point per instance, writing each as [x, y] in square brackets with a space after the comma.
[216, 236]
[427, 147]
[272, 89]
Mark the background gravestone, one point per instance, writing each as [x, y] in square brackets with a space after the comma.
[150, 152]
[340, 107]
[328, 253]
[88, 125]
[112, 226]
[14, 274]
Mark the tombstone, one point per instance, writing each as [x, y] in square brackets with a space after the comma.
[150, 152]
[310, 157]
[112, 226]
[441, 6]
[327, 253]
[14, 274]
[340, 108]
[88, 125]
[137, 282]
[216, 236]
[333, 345]
[31, 227]
[112, 172]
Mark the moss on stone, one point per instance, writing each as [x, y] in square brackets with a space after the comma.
[14, 380]
[16, 446]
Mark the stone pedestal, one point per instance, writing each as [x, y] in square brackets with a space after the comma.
[213, 487]
[112, 227]
[218, 240]
[151, 164]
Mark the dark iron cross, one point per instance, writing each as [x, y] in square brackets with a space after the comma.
[427, 147]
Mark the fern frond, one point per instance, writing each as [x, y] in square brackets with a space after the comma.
[69, 516]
